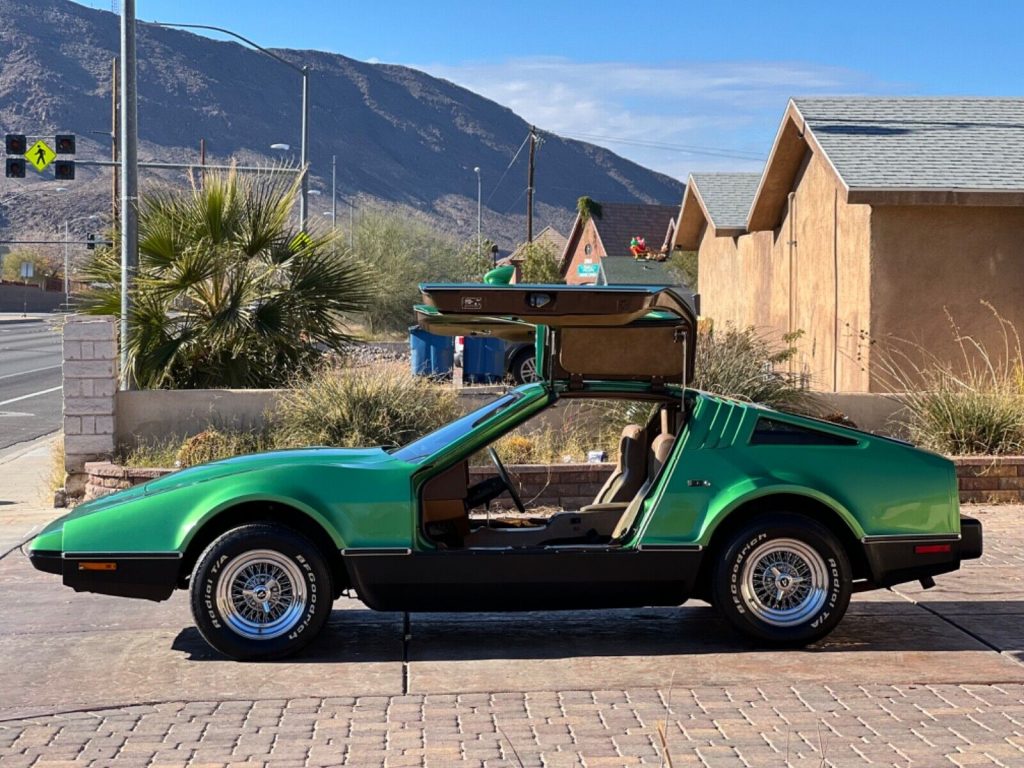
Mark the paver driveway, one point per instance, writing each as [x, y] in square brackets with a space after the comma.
[909, 678]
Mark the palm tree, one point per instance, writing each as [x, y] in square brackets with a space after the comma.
[227, 293]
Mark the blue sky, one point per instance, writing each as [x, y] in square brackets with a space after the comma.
[678, 86]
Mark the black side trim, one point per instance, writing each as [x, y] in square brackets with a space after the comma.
[150, 577]
[376, 551]
[123, 555]
[533, 579]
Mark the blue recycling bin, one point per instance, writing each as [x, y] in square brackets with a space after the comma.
[430, 354]
[483, 360]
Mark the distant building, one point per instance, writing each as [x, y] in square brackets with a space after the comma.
[597, 240]
[872, 218]
[549, 237]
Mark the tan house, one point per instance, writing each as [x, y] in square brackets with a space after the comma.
[606, 235]
[871, 219]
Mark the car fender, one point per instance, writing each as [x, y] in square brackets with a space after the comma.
[194, 524]
[722, 505]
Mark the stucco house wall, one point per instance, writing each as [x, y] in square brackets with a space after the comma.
[820, 247]
[927, 260]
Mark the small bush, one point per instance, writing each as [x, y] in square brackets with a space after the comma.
[213, 444]
[741, 363]
[973, 406]
[359, 407]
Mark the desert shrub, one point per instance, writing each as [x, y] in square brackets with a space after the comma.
[540, 264]
[742, 362]
[974, 405]
[227, 292]
[214, 444]
[358, 407]
[399, 252]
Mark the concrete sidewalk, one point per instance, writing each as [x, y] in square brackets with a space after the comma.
[26, 501]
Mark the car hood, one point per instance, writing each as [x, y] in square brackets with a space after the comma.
[233, 466]
[255, 461]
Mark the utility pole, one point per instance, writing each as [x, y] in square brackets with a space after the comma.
[529, 186]
[334, 192]
[202, 162]
[479, 188]
[303, 151]
[113, 141]
[130, 178]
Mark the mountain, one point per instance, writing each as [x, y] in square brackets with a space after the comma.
[401, 137]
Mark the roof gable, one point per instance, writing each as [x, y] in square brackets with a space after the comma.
[722, 200]
[921, 143]
[900, 151]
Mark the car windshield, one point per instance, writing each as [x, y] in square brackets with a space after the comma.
[446, 435]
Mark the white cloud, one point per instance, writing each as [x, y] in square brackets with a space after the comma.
[730, 105]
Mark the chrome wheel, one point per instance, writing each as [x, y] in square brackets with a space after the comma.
[261, 594]
[528, 369]
[784, 582]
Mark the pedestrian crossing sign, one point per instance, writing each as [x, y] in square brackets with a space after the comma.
[40, 155]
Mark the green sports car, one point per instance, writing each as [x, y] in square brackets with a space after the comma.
[775, 519]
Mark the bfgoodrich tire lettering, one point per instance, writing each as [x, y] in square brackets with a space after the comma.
[260, 591]
[783, 579]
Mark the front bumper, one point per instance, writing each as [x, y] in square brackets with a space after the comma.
[147, 575]
[898, 559]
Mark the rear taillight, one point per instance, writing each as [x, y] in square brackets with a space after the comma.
[932, 549]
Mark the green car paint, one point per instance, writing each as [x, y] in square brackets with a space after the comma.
[893, 506]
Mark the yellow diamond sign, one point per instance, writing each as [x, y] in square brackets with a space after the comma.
[40, 155]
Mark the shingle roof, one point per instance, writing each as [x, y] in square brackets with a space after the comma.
[727, 197]
[618, 271]
[921, 143]
[620, 222]
[548, 236]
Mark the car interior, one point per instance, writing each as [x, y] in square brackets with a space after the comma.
[457, 515]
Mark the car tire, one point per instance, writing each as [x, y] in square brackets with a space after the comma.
[783, 580]
[260, 591]
[524, 366]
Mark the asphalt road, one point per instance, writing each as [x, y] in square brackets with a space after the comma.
[30, 380]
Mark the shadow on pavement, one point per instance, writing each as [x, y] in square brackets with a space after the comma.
[869, 627]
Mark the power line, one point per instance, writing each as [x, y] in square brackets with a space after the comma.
[736, 154]
[495, 189]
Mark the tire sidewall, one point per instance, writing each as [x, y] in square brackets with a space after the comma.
[728, 587]
[210, 569]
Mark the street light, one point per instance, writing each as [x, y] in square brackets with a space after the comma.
[281, 147]
[304, 71]
[479, 242]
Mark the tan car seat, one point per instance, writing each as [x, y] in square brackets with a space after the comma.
[661, 449]
[630, 471]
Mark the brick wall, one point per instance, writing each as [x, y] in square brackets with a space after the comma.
[983, 479]
[559, 485]
[987, 479]
[90, 383]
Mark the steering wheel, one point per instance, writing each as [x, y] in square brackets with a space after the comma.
[503, 474]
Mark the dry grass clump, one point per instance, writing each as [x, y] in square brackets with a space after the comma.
[974, 405]
[359, 407]
[214, 444]
[742, 362]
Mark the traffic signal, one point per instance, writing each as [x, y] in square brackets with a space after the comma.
[64, 170]
[15, 168]
[90, 242]
[65, 143]
[15, 144]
